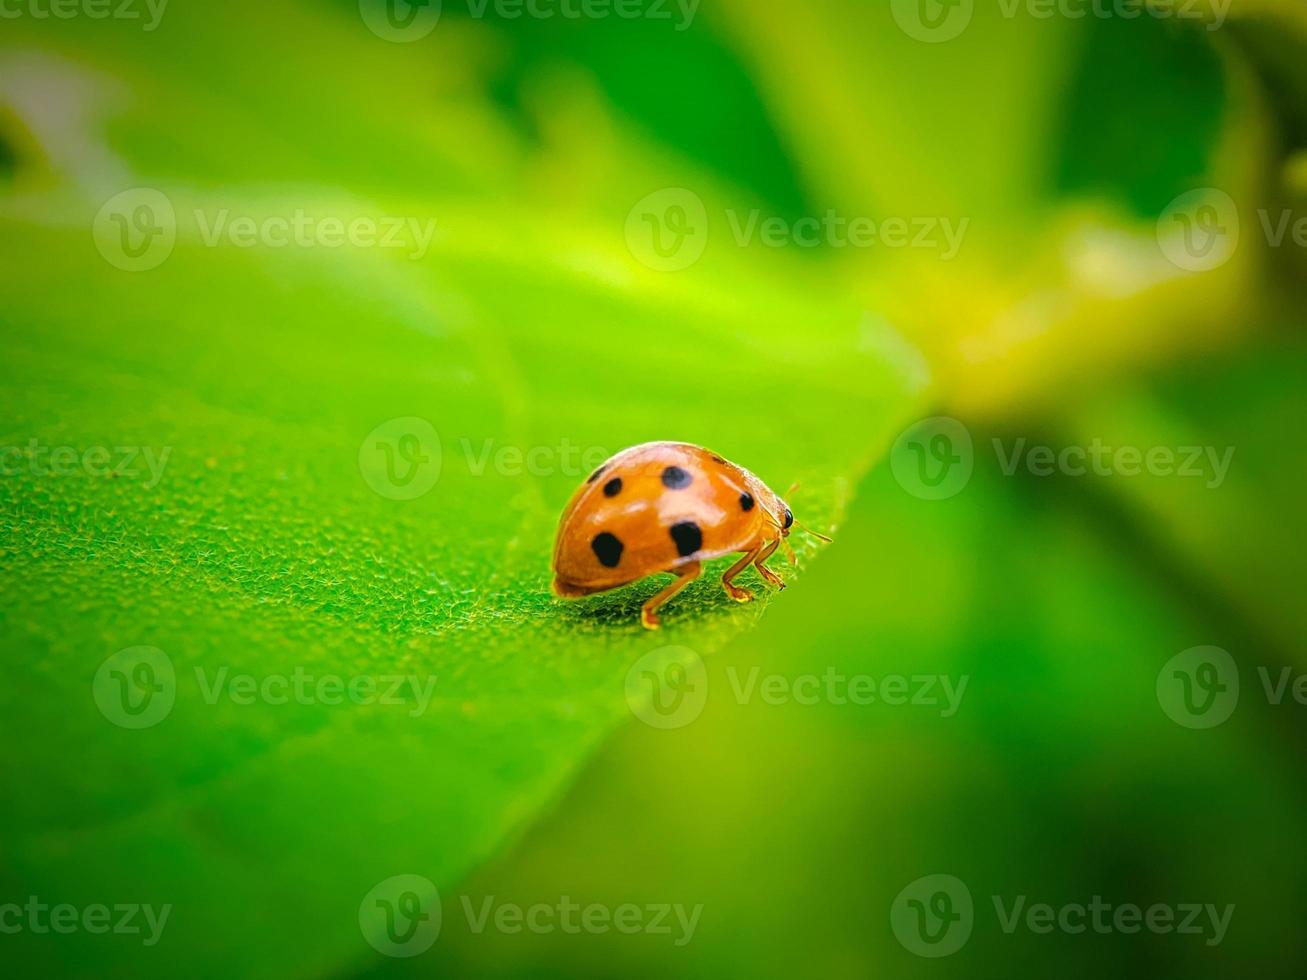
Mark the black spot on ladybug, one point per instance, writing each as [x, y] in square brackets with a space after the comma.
[675, 478]
[717, 459]
[596, 474]
[789, 518]
[607, 549]
[613, 487]
[746, 502]
[688, 538]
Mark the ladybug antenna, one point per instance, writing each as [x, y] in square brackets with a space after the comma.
[789, 494]
[820, 537]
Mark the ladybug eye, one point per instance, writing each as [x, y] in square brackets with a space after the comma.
[789, 518]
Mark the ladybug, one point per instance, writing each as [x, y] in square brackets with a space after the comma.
[667, 507]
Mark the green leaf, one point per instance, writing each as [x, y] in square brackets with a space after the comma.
[269, 546]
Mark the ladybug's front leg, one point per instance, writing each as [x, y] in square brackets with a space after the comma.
[684, 576]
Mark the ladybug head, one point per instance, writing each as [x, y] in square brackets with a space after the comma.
[787, 520]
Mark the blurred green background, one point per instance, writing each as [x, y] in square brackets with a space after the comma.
[316, 313]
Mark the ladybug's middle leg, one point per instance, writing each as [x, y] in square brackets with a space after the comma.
[684, 576]
[734, 591]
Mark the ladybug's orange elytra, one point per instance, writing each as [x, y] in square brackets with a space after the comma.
[666, 507]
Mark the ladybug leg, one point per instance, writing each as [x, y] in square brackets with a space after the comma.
[770, 576]
[732, 590]
[684, 576]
